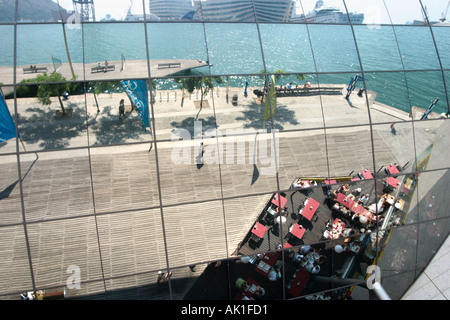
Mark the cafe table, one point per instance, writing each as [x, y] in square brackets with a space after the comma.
[281, 202]
[267, 262]
[393, 182]
[366, 174]
[299, 282]
[259, 230]
[309, 208]
[392, 169]
[297, 230]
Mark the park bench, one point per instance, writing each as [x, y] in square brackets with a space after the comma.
[169, 65]
[103, 68]
[34, 69]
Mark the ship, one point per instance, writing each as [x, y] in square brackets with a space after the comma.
[324, 14]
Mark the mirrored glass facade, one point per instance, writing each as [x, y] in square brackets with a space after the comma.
[222, 150]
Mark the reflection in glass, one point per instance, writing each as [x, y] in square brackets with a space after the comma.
[417, 48]
[239, 44]
[291, 52]
[336, 53]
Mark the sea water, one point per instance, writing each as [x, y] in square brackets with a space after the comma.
[323, 53]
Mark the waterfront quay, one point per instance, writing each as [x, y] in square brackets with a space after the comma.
[86, 192]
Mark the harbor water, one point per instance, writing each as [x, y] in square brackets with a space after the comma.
[324, 53]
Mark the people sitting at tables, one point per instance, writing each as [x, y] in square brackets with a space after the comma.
[289, 86]
[344, 188]
[376, 207]
[274, 274]
[355, 193]
[259, 292]
[307, 85]
[363, 199]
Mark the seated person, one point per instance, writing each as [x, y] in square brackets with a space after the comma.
[307, 85]
[241, 283]
[374, 208]
[363, 199]
[259, 291]
[344, 188]
[289, 86]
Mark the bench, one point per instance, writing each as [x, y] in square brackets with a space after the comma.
[311, 90]
[169, 65]
[103, 68]
[34, 69]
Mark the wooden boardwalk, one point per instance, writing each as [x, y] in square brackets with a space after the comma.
[101, 212]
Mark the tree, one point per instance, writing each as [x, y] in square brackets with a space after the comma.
[56, 87]
[204, 84]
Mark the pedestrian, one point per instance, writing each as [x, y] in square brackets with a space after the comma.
[393, 128]
[122, 109]
[163, 277]
[201, 151]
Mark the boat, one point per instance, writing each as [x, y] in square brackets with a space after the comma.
[324, 14]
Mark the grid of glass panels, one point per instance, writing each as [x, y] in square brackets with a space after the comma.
[103, 195]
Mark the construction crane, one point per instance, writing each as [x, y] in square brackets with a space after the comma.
[85, 8]
[444, 15]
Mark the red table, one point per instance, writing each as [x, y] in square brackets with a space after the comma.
[392, 169]
[393, 182]
[309, 209]
[330, 181]
[345, 201]
[266, 262]
[366, 174]
[297, 231]
[259, 230]
[280, 202]
[299, 282]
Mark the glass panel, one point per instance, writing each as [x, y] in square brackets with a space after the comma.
[417, 47]
[330, 11]
[63, 175]
[11, 209]
[227, 51]
[60, 246]
[109, 122]
[124, 178]
[413, 16]
[8, 137]
[274, 11]
[287, 48]
[374, 12]
[249, 162]
[49, 117]
[115, 61]
[431, 195]
[343, 99]
[176, 48]
[6, 56]
[236, 11]
[385, 55]
[334, 54]
[32, 12]
[432, 235]
[42, 48]
[190, 238]
[172, 10]
[393, 146]
[440, 35]
[15, 261]
[437, 11]
[125, 239]
[423, 94]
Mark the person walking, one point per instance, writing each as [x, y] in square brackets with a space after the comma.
[122, 109]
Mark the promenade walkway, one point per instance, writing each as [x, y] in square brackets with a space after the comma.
[99, 208]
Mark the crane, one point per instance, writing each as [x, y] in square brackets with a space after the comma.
[444, 15]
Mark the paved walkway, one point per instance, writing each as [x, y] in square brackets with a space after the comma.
[130, 234]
